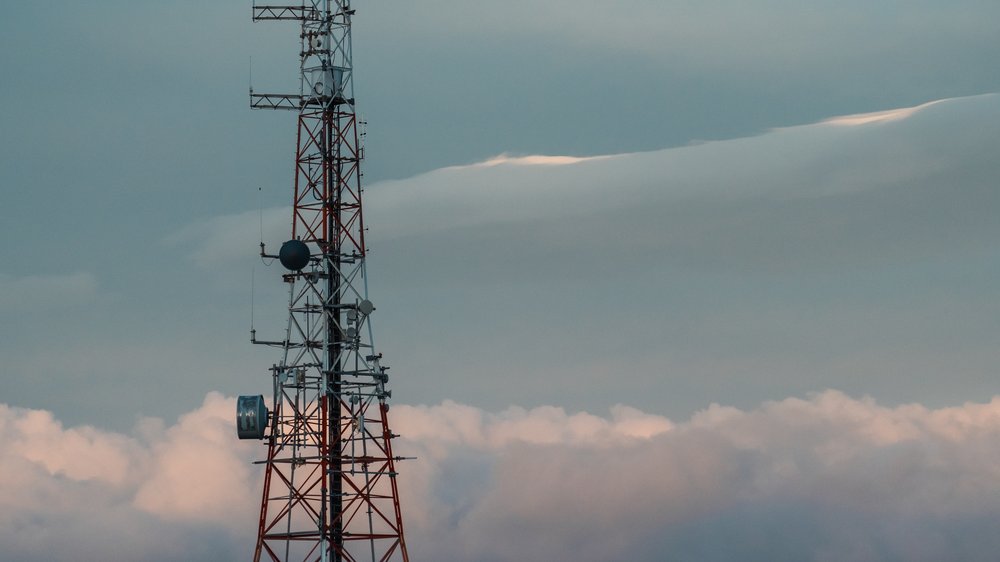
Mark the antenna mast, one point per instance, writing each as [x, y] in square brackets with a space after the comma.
[330, 480]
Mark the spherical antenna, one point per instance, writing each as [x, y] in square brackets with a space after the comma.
[294, 255]
[366, 307]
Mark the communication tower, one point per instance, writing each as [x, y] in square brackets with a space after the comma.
[329, 489]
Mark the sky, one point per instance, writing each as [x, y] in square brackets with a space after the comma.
[731, 266]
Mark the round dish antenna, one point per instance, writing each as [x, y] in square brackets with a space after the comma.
[294, 255]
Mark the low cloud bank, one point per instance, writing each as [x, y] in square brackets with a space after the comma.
[828, 477]
[161, 493]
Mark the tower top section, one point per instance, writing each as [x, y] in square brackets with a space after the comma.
[326, 68]
[327, 186]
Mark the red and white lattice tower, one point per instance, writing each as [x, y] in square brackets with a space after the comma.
[330, 478]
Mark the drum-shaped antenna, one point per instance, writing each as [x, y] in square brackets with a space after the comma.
[251, 417]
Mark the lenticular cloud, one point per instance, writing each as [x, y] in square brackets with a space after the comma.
[829, 477]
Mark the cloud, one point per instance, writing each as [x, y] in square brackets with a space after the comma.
[43, 292]
[824, 478]
[815, 195]
[804, 195]
[83, 493]
[854, 257]
[880, 116]
[532, 160]
[820, 478]
[197, 473]
[221, 240]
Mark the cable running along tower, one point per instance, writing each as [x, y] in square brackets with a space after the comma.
[330, 479]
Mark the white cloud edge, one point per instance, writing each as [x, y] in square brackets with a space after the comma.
[885, 116]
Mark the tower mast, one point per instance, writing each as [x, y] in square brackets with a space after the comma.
[329, 489]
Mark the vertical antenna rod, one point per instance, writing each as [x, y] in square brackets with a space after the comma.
[330, 489]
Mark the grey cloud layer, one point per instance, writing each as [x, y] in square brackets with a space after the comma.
[888, 189]
[855, 253]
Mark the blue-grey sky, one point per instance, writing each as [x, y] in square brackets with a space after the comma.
[572, 205]
[124, 123]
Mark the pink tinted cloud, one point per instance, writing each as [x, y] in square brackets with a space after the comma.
[83, 493]
[821, 478]
[200, 471]
[843, 476]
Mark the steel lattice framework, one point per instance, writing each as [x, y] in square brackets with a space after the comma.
[330, 479]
